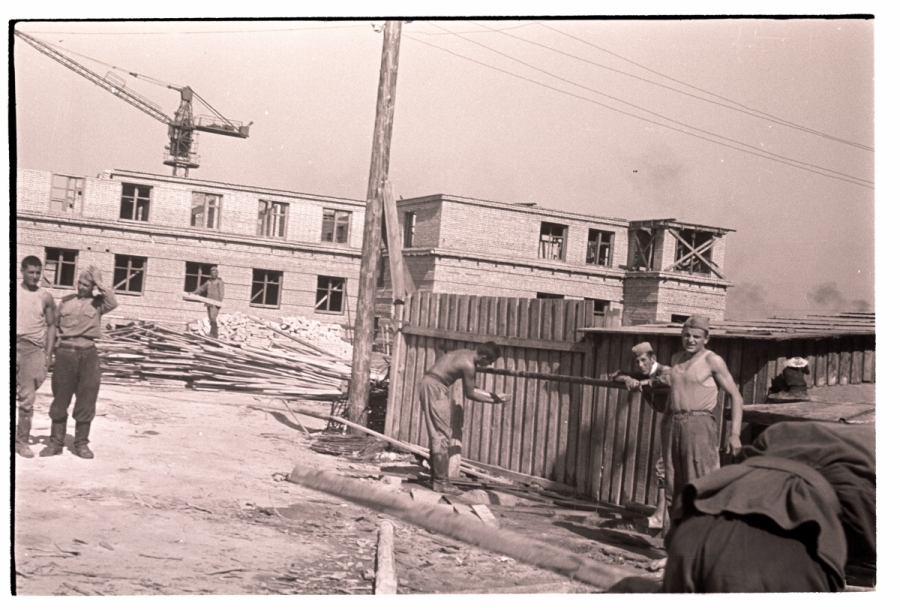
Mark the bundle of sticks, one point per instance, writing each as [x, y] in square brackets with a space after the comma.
[153, 354]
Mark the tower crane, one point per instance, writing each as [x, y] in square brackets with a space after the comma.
[182, 149]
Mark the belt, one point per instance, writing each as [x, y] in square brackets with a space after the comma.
[76, 346]
[435, 377]
[691, 413]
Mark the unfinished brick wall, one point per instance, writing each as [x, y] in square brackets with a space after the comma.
[650, 297]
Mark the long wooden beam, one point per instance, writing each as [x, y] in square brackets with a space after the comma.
[455, 335]
[444, 521]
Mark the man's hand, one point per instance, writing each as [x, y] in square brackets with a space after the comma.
[733, 446]
[500, 398]
[632, 384]
[96, 277]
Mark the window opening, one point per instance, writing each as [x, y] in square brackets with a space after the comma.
[135, 202]
[128, 274]
[272, 219]
[265, 290]
[195, 274]
[409, 229]
[330, 294]
[553, 241]
[599, 250]
[335, 226]
[66, 194]
[59, 266]
[205, 210]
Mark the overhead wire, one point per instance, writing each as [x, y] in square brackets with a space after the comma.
[748, 149]
[741, 107]
[662, 116]
[261, 31]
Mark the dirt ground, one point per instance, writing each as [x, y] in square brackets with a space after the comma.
[187, 495]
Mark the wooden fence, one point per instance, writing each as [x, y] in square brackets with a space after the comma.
[603, 441]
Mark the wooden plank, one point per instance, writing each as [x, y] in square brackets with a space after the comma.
[521, 330]
[506, 426]
[500, 383]
[620, 451]
[551, 362]
[549, 309]
[491, 383]
[563, 363]
[868, 368]
[580, 408]
[766, 415]
[410, 400]
[762, 371]
[401, 280]
[834, 360]
[468, 407]
[821, 362]
[475, 410]
[809, 352]
[846, 347]
[395, 390]
[856, 359]
[608, 440]
[462, 324]
[427, 359]
[590, 473]
[531, 400]
[474, 337]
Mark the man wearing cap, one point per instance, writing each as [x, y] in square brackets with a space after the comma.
[647, 374]
[77, 370]
[35, 335]
[691, 446]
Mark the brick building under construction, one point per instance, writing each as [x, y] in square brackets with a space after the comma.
[292, 254]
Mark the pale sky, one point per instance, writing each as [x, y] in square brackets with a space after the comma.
[804, 242]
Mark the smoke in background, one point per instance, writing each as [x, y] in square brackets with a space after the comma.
[827, 296]
[750, 301]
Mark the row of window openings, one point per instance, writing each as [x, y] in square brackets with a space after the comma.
[552, 244]
[129, 273]
[601, 306]
[66, 195]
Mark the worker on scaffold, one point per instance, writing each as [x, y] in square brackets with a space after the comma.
[213, 288]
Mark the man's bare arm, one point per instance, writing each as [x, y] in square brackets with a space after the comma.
[477, 394]
[50, 319]
[725, 382]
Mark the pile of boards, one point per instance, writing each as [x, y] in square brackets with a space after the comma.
[152, 354]
[250, 330]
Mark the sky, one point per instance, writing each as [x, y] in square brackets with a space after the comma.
[630, 119]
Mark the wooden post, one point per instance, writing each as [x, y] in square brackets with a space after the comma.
[385, 576]
[363, 334]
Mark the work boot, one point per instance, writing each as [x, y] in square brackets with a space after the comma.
[57, 438]
[82, 430]
[440, 477]
[23, 432]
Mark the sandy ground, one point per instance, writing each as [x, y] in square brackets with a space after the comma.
[187, 495]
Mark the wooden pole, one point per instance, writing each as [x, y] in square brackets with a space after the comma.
[443, 521]
[385, 576]
[364, 331]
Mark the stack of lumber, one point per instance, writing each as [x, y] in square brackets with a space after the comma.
[250, 330]
[151, 354]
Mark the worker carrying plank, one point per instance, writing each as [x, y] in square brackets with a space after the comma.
[434, 397]
[645, 374]
[213, 288]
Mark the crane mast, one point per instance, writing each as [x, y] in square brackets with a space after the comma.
[181, 152]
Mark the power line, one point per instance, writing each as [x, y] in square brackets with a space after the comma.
[759, 113]
[650, 111]
[770, 156]
[145, 33]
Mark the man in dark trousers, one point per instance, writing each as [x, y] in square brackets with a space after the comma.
[35, 336]
[77, 370]
[213, 288]
[434, 397]
[646, 373]
[787, 517]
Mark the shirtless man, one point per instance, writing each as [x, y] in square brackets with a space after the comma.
[35, 338]
[434, 397]
[691, 446]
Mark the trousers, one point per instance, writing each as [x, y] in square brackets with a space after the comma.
[690, 448]
[31, 370]
[213, 313]
[77, 372]
[434, 398]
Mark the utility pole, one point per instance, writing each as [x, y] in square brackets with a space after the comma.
[364, 331]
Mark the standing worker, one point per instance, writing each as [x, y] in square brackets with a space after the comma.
[691, 447]
[213, 288]
[35, 336]
[646, 374]
[434, 397]
[77, 369]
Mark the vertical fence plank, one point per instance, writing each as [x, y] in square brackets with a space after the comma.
[510, 408]
[489, 324]
[521, 389]
[571, 319]
[410, 401]
[544, 329]
[868, 374]
[531, 399]
[593, 427]
[475, 409]
[429, 317]
[857, 359]
[500, 386]
[846, 347]
[809, 352]
[622, 408]
[762, 375]
[579, 467]
[610, 432]
[462, 323]
[821, 362]
[834, 360]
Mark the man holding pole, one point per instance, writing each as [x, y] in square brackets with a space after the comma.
[434, 397]
[213, 288]
[647, 374]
